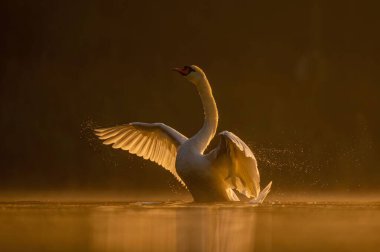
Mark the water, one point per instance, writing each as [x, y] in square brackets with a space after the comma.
[177, 226]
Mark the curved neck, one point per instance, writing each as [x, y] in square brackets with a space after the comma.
[210, 124]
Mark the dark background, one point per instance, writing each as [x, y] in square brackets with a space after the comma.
[297, 80]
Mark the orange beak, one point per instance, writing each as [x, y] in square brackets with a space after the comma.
[180, 70]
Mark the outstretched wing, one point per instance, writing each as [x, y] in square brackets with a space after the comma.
[241, 165]
[154, 141]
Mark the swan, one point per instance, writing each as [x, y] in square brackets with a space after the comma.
[227, 173]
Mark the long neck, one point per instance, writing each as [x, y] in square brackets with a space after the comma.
[210, 124]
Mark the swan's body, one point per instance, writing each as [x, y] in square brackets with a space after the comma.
[220, 175]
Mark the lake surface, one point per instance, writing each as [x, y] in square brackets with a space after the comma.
[178, 226]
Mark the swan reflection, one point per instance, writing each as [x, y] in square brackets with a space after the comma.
[189, 227]
[176, 229]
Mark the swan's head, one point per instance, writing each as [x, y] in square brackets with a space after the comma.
[192, 73]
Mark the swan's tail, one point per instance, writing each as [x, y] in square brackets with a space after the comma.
[262, 195]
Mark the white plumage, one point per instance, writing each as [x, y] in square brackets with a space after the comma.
[147, 140]
[227, 173]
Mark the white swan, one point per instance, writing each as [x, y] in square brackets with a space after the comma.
[227, 173]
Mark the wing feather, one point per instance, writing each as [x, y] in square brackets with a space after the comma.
[108, 134]
[140, 146]
[120, 142]
[151, 148]
[124, 140]
[145, 148]
[154, 141]
[119, 134]
[134, 142]
[241, 164]
[129, 141]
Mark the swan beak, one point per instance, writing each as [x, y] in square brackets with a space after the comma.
[179, 70]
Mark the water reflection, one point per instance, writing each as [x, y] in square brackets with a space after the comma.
[175, 229]
[184, 227]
